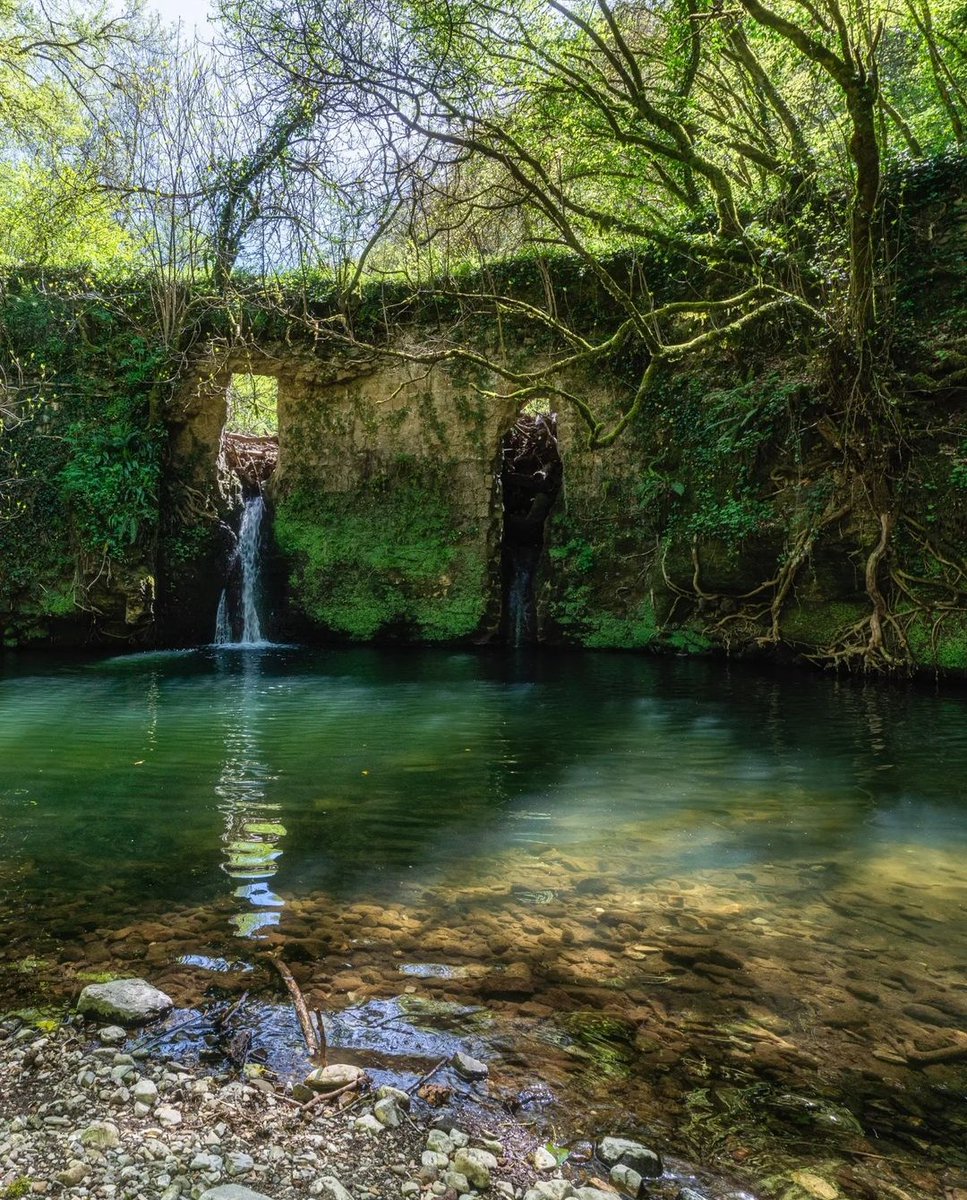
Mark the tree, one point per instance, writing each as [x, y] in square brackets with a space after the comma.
[594, 128]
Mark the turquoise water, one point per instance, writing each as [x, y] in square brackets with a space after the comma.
[744, 853]
[387, 768]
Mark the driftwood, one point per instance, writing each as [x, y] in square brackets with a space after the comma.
[314, 1034]
[252, 459]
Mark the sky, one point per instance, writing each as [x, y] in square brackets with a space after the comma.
[192, 13]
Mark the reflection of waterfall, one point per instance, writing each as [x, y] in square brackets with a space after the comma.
[252, 827]
[238, 606]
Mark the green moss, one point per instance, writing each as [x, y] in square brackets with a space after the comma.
[607, 631]
[21, 1186]
[942, 646]
[393, 556]
[821, 624]
[606, 1042]
[59, 601]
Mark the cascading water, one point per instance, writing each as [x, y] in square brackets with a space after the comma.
[238, 606]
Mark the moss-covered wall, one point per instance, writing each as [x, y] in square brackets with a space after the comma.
[729, 516]
[384, 507]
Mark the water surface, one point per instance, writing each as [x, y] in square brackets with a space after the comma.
[672, 883]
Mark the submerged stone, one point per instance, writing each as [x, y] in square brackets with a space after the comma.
[129, 1001]
[469, 1068]
[627, 1153]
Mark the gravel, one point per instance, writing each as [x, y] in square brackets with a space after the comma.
[78, 1115]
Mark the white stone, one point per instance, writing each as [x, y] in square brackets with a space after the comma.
[368, 1124]
[128, 1001]
[627, 1179]
[551, 1189]
[328, 1079]
[206, 1162]
[167, 1115]
[437, 1140]
[403, 1099]
[387, 1112]
[632, 1154]
[239, 1163]
[544, 1160]
[332, 1189]
[469, 1068]
[145, 1091]
[100, 1135]
[231, 1191]
[435, 1160]
[476, 1165]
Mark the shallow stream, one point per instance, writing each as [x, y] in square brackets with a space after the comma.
[721, 908]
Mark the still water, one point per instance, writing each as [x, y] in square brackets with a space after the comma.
[724, 905]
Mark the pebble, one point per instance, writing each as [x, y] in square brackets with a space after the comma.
[331, 1189]
[131, 1141]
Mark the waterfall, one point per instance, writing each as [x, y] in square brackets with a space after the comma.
[238, 606]
[521, 617]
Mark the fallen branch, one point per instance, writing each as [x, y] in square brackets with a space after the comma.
[315, 1041]
[423, 1078]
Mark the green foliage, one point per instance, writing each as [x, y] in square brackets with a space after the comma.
[253, 405]
[79, 457]
[939, 640]
[722, 438]
[110, 484]
[21, 1186]
[388, 558]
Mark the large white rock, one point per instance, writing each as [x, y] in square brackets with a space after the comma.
[130, 1001]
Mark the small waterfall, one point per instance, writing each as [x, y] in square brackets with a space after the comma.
[521, 614]
[238, 606]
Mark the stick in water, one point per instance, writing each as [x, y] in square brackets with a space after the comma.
[316, 1051]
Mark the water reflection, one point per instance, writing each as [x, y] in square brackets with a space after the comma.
[253, 829]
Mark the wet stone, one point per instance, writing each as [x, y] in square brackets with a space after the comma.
[469, 1068]
[625, 1152]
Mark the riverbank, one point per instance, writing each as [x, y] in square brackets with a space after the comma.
[90, 1114]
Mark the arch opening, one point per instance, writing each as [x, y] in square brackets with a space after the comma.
[531, 473]
[250, 437]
